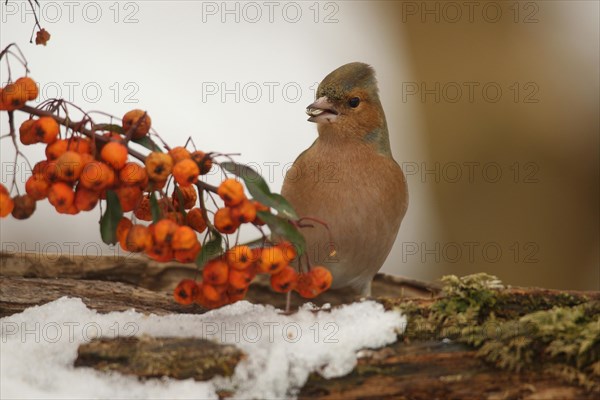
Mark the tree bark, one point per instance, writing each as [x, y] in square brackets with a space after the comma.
[147, 357]
[417, 369]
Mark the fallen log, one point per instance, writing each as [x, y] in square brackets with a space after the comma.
[423, 364]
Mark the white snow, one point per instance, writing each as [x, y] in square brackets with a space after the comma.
[40, 344]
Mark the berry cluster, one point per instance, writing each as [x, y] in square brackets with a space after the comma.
[164, 193]
[226, 279]
[78, 171]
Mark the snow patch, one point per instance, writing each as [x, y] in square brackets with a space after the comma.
[40, 344]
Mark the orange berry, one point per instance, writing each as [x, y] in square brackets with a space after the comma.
[86, 158]
[179, 153]
[195, 220]
[223, 221]
[46, 129]
[155, 185]
[256, 255]
[37, 187]
[71, 210]
[213, 293]
[3, 189]
[27, 133]
[159, 166]
[56, 149]
[306, 287]
[314, 282]
[61, 195]
[24, 206]
[244, 212]
[186, 292]
[129, 197]
[50, 171]
[85, 199]
[185, 172]
[259, 207]
[240, 279]
[188, 256]
[133, 174]
[231, 191]
[123, 228]
[176, 216]
[215, 272]
[138, 239]
[131, 118]
[114, 154]
[142, 211]
[69, 166]
[322, 278]
[272, 260]
[240, 257]
[97, 176]
[188, 195]
[184, 238]
[289, 251]
[28, 86]
[160, 252]
[80, 144]
[285, 280]
[113, 137]
[6, 204]
[203, 160]
[14, 96]
[40, 167]
[164, 231]
[235, 294]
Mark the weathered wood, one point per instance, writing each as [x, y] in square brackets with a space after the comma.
[413, 369]
[132, 269]
[161, 277]
[17, 294]
[436, 370]
[148, 357]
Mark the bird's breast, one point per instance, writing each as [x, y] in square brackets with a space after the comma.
[360, 194]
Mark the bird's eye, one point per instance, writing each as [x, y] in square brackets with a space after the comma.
[354, 102]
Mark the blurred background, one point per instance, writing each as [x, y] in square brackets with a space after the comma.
[493, 110]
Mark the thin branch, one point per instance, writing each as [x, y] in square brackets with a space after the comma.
[77, 127]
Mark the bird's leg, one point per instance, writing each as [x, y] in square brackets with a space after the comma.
[365, 291]
[288, 300]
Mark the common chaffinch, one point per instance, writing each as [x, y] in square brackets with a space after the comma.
[348, 179]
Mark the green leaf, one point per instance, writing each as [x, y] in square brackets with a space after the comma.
[147, 143]
[210, 250]
[281, 227]
[154, 208]
[110, 128]
[282, 206]
[259, 189]
[251, 178]
[111, 218]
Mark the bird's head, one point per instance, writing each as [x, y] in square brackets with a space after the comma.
[347, 104]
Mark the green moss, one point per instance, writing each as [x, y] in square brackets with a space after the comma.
[513, 332]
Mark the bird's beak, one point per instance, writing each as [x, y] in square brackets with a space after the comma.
[321, 110]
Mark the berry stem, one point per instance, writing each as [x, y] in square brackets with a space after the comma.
[201, 190]
[13, 135]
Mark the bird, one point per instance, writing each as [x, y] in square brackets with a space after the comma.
[348, 180]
